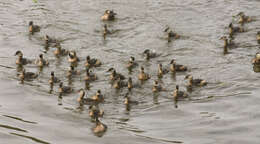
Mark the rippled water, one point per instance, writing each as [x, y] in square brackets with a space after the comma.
[226, 111]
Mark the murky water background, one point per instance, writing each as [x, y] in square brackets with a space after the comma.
[224, 112]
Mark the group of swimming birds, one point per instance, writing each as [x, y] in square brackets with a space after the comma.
[233, 30]
[117, 80]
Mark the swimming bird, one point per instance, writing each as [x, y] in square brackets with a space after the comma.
[90, 76]
[129, 84]
[109, 15]
[161, 71]
[98, 97]
[92, 62]
[195, 82]
[128, 101]
[131, 63]
[233, 30]
[49, 40]
[53, 79]
[177, 67]
[171, 34]
[177, 94]
[64, 89]
[114, 75]
[142, 75]
[243, 18]
[256, 59]
[33, 28]
[82, 100]
[148, 54]
[41, 62]
[118, 83]
[100, 128]
[156, 87]
[227, 44]
[21, 60]
[95, 112]
[73, 59]
[72, 72]
[27, 76]
[59, 51]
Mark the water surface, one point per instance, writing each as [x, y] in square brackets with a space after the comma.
[224, 112]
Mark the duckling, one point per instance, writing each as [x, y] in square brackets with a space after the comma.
[114, 75]
[106, 31]
[195, 82]
[27, 76]
[82, 100]
[256, 59]
[49, 40]
[59, 51]
[148, 54]
[95, 112]
[156, 87]
[33, 28]
[179, 94]
[118, 83]
[243, 18]
[129, 84]
[226, 44]
[109, 15]
[131, 63]
[64, 89]
[233, 30]
[71, 72]
[98, 96]
[142, 75]
[100, 128]
[73, 59]
[161, 71]
[128, 101]
[53, 79]
[177, 67]
[92, 62]
[21, 60]
[258, 37]
[171, 35]
[41, 62]
[90, 76]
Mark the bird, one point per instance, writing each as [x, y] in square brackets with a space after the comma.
[27, 76]
[109, 15]
[41, 62]
[33, 28]
[21, 60]
[177, 67]
[142, 75]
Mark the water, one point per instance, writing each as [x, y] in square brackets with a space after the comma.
[226, 111]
